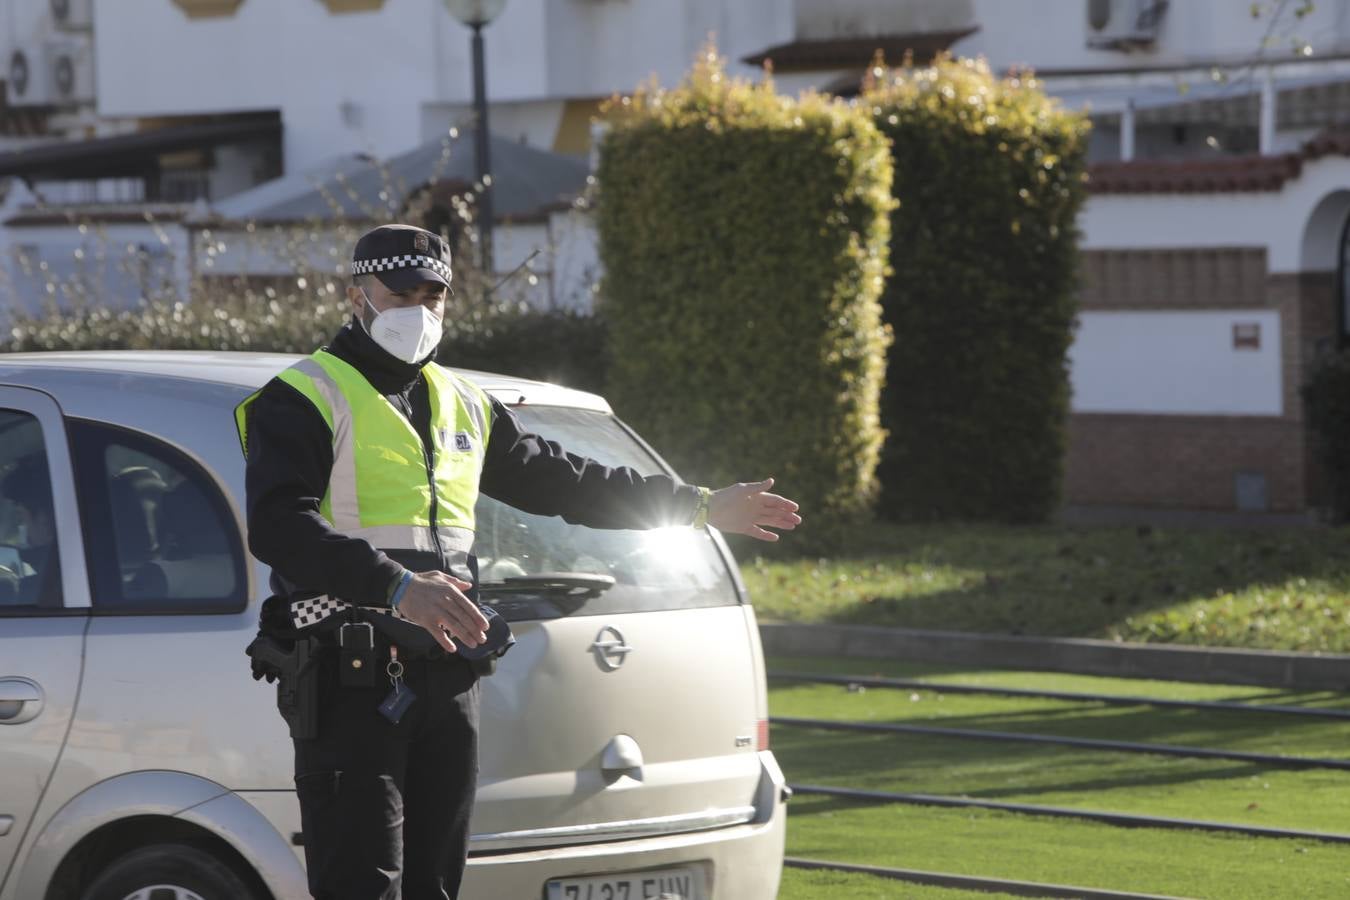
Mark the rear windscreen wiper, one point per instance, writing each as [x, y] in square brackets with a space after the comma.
[573, 584]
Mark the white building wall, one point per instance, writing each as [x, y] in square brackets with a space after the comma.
[1176, 363]
[272, 251]
[1144, 221]
[380, 82]
[1052, 34]
[343, 83]
[598, 48]
[576, 260]
[532, 122]
[1281, 221]
[523, 258]
[114, 266]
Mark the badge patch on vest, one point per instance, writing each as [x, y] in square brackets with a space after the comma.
[462, 441]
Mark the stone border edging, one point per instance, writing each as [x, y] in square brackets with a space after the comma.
[1080, 656]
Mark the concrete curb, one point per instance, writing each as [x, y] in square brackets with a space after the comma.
[1306, 671]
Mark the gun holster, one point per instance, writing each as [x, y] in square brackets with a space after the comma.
[296, 669]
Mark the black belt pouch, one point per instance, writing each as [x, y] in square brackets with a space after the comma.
[357, 661]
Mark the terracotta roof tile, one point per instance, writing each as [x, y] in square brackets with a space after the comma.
[856, 52]
[1229, 174]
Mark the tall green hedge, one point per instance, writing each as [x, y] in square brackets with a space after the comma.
[744, 238]
[1327, 395]
[989, 175]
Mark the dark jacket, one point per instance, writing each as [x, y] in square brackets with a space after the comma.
[290, 454]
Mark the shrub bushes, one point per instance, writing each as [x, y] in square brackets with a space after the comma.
[989, 178]
[203, 323]
[1327, 395]
[562, 347]
[301, 310]
[744, 238]
[559, 347]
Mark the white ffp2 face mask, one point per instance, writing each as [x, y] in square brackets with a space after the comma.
[408, 333]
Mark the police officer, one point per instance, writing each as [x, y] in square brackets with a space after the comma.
[364, 463]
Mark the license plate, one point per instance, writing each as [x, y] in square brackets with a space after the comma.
[658, 884]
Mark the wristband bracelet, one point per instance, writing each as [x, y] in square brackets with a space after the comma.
[701, 511]
[403, 582]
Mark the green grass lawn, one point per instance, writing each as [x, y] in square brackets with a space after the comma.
[1212, 791]
[1276, 589]
[1244, 732]
[801, 884]
[1004, 845]
[1056, 681]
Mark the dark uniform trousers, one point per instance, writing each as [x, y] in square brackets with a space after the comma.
[385, 808]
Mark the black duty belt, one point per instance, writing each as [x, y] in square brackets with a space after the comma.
[306, 613]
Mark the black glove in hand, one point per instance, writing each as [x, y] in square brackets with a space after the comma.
[262, 670]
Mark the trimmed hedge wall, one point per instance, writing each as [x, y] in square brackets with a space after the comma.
[989, 175]
[1327, 395]
[744, 239]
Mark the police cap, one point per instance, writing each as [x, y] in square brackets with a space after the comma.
[402, 257]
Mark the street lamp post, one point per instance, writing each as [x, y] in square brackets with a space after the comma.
[477, 14]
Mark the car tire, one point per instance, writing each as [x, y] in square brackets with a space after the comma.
[168, 872]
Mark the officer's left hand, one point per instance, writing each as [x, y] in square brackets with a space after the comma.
[750, 509]
[437, 602]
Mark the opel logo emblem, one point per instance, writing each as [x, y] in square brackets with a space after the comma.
[610, 648]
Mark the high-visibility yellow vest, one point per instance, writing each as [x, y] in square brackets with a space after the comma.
[379, 488]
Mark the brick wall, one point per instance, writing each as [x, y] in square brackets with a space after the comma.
[1188, 461]
[1314, 293]
[1200, 278]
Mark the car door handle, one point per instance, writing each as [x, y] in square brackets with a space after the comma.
[20, 700]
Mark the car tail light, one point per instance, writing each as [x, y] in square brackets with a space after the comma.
[762, 734]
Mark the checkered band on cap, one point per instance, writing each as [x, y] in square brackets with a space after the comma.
[389, 263]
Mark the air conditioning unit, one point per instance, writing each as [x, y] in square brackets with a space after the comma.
[1124, 24]
[29, 78]
[70, 71]
[73, 15]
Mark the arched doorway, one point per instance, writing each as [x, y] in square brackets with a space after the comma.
[1324, 272]
[1343, 287]
[1324, 315]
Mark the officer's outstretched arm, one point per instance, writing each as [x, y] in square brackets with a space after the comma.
[436, 601]
[750, 509]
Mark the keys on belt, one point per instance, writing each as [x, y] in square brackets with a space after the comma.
[359, 668]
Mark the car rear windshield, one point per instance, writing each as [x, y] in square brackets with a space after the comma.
[540, 567]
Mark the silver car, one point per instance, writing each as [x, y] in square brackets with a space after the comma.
[625, 748]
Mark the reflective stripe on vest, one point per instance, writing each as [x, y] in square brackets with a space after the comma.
[379, 488]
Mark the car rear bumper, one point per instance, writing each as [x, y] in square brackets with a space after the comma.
[740, 862]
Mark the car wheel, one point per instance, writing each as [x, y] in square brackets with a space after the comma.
[168, 872]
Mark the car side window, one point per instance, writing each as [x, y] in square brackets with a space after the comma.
[159, 535]
[30, 570]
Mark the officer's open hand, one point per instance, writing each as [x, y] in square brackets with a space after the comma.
[436, 601]
[751, 509]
